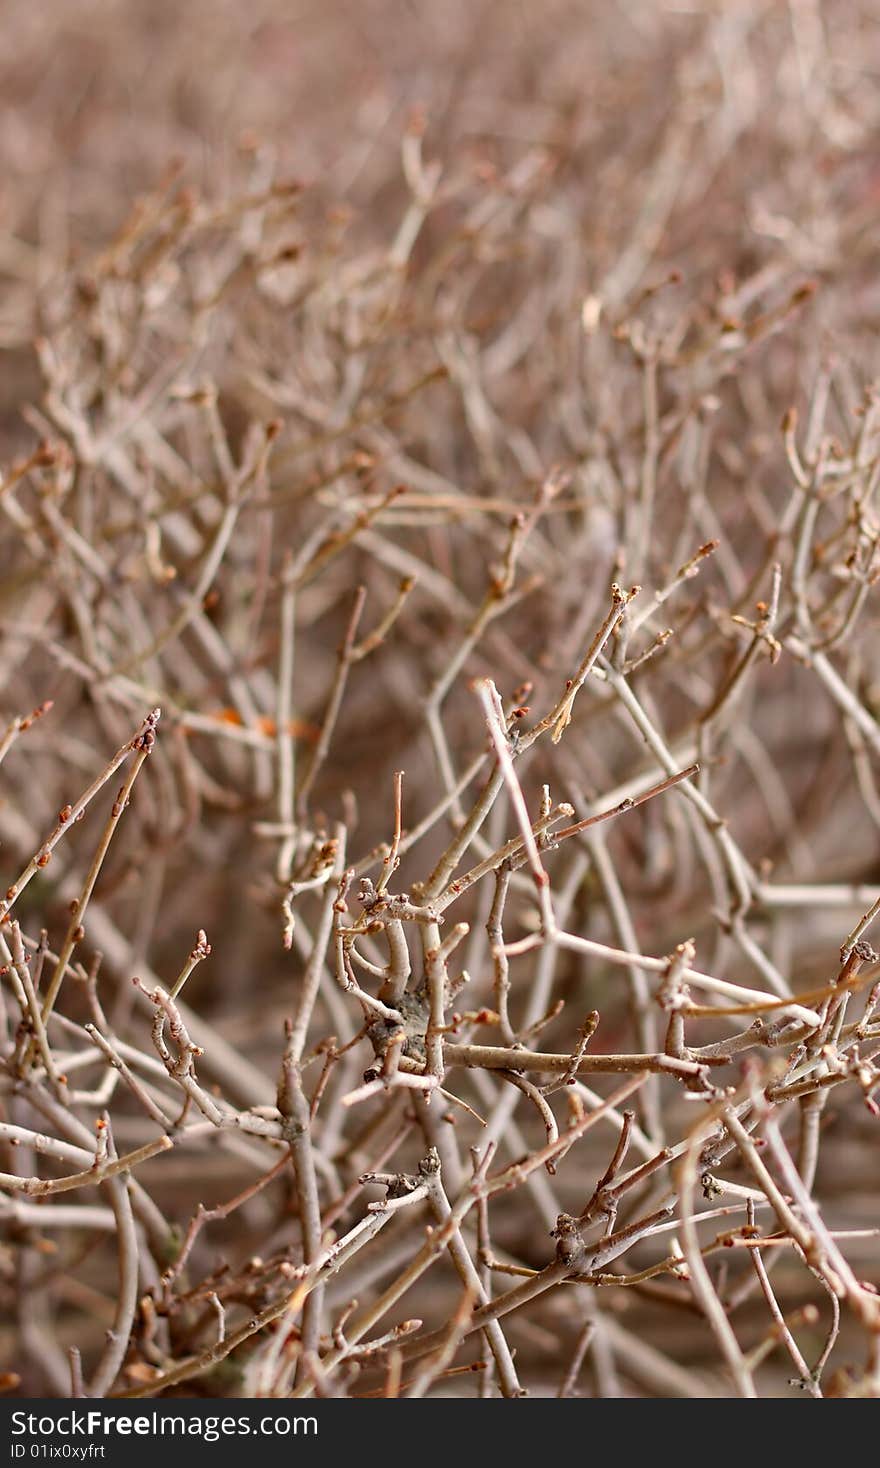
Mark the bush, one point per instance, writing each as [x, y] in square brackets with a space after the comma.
[457, 981]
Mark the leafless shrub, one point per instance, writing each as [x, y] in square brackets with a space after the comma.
[457, 980]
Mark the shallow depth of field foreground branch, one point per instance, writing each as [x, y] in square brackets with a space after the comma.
[441, 730]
